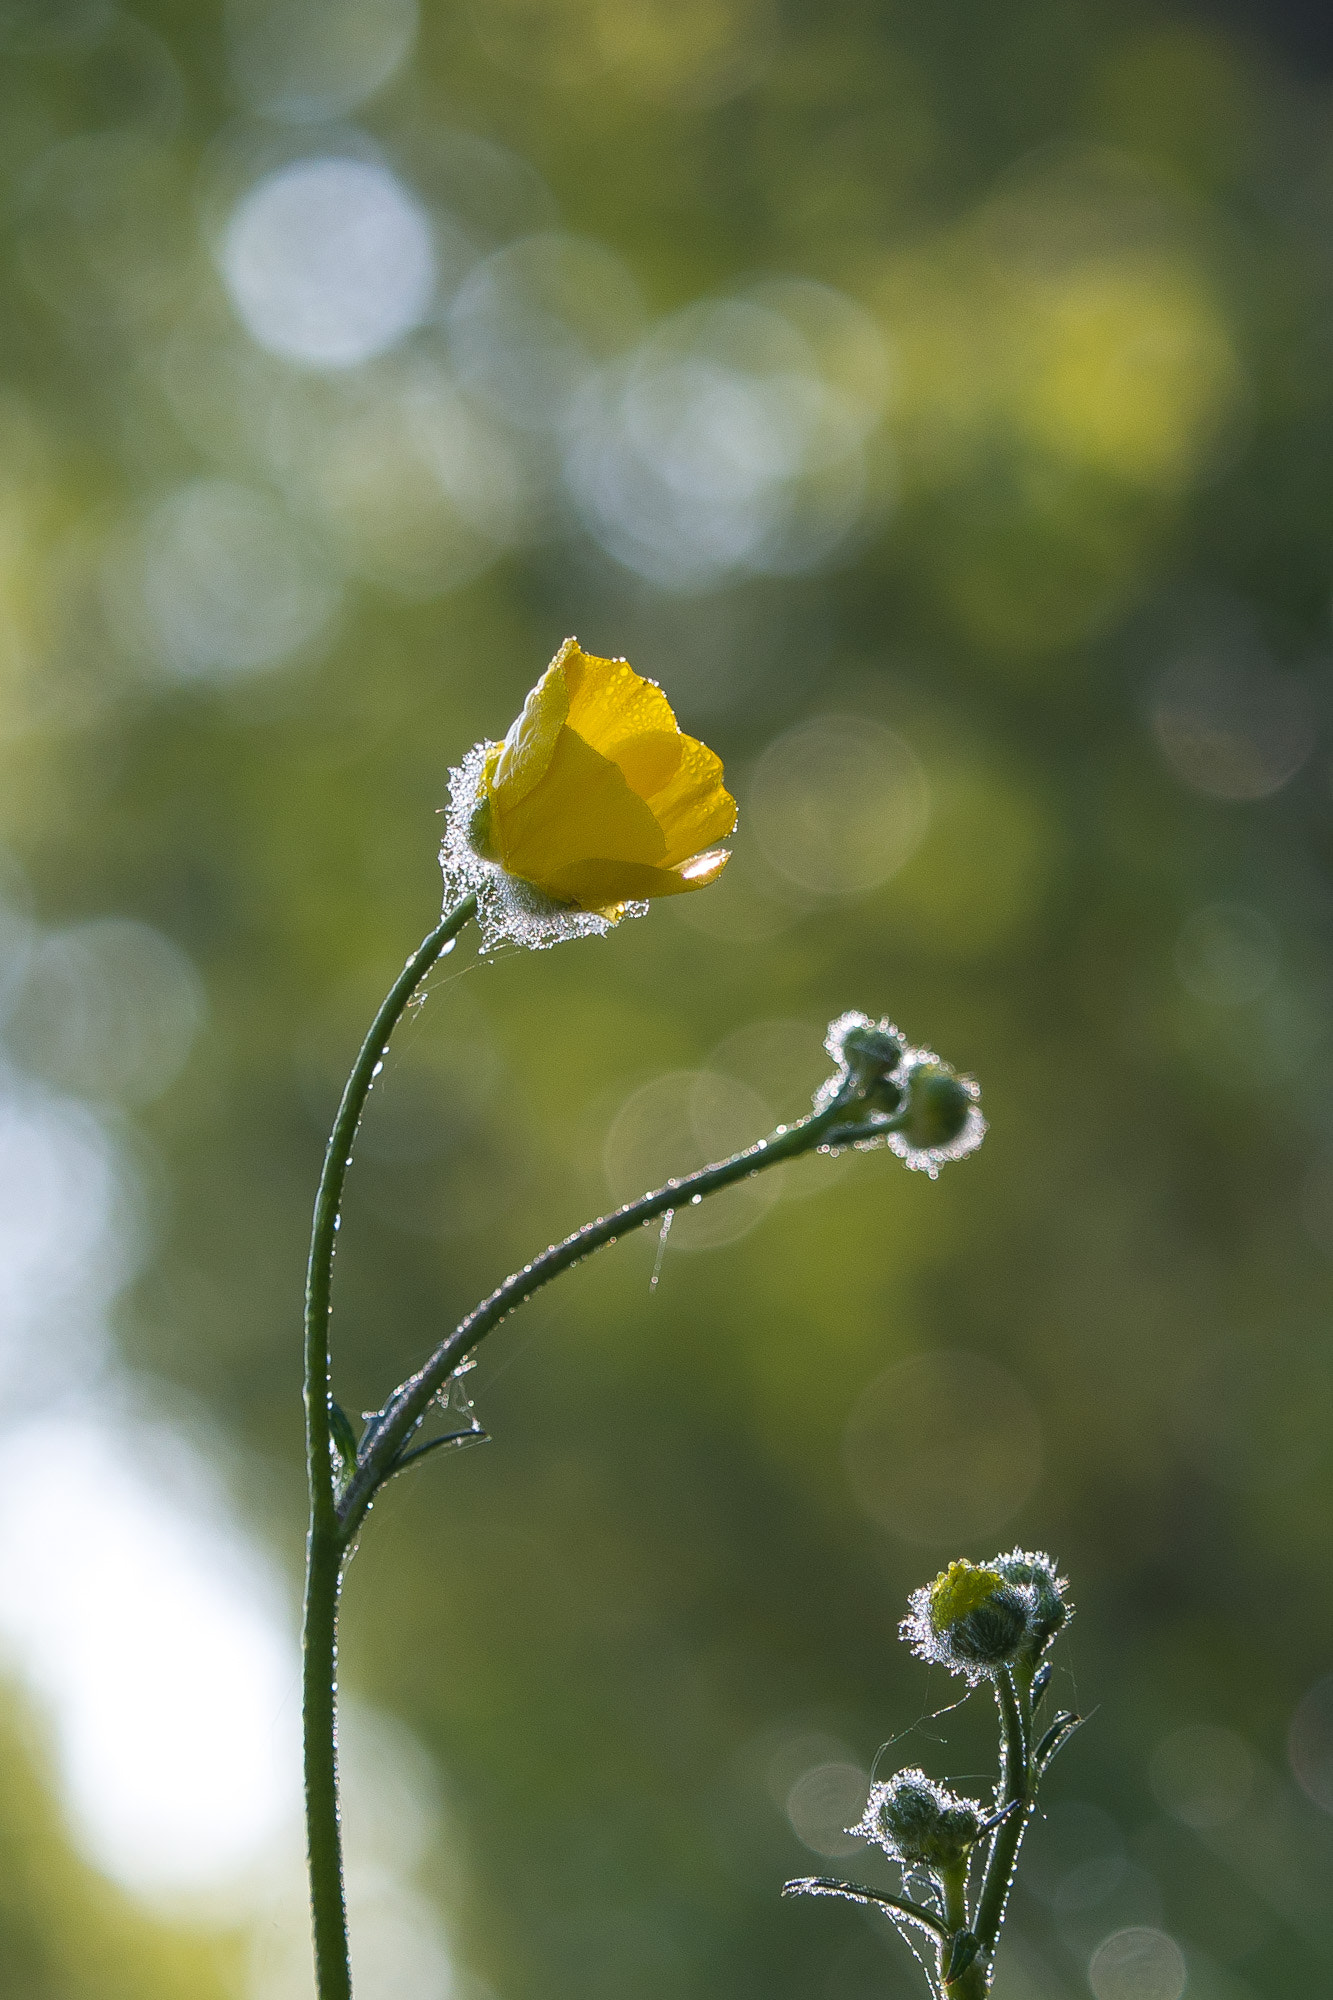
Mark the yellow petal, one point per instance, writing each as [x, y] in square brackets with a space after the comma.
[608, 702]
[597, 885]
[694, 809]
[528, 747]
[630, 720]
[596, 797]
[581, 807]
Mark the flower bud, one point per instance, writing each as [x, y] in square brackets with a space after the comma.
[1048, 1606]
[938, 1104]
[919, 1823]
[868, 1049]
[941, 1120]
[970, 1620]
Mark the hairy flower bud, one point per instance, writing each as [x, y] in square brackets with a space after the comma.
[969, 1620]
[941, 1119]
[919, 1823]
[898, 1096]
[1049, 1608]
[869, 1049]
[978, 1617]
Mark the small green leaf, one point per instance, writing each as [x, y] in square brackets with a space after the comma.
[476, 1435]
[1057, 1736]
[344, 1437]
[963, 1948]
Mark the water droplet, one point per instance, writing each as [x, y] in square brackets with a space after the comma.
[695, 1199]
[378, 1067]
[447, 947]
[667, 1221]
[337, 1222]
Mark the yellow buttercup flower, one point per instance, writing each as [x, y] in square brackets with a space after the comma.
[596, 799]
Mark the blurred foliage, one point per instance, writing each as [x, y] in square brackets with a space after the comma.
[1089, 587]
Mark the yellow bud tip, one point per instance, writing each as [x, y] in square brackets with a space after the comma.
[961, 1588]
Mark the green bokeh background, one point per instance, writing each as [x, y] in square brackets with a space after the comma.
[1098, 242]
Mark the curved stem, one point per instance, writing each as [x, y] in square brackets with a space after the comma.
[855, 1892]
[325, 1544]
[388, 1432]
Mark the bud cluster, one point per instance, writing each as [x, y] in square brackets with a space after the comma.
[976, 1618]
[918, 1823]
[989, 1622]
[899, 1096]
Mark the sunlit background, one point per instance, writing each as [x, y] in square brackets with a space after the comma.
[939, 402]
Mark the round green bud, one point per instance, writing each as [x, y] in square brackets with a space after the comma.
[993, 1634]
[919, 1823]
[1035, 1574]
[872, 1048]
[938, 1106]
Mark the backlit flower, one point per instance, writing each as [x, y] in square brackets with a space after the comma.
[594, 803]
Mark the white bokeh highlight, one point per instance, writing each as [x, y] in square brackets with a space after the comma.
[109, 1008]
[225, 584]
[722, 445]
[329, 262]
[70, 1237]
[156, 1640]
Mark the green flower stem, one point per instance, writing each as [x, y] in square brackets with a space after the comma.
[1013, 1693]
[389, 1431]
[325, 1545]
[954, 1883]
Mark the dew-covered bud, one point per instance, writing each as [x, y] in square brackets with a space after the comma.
[938, 1104]
[970, 1620]
[869, 1055]
[869, 1049]
[898, 1096]
[941, 1120]
[919, 1823]
[1048, 1606]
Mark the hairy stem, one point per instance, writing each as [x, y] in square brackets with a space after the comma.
[325, 1544]
[1013, 1693]
[389, 1431]
[328, 1907]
